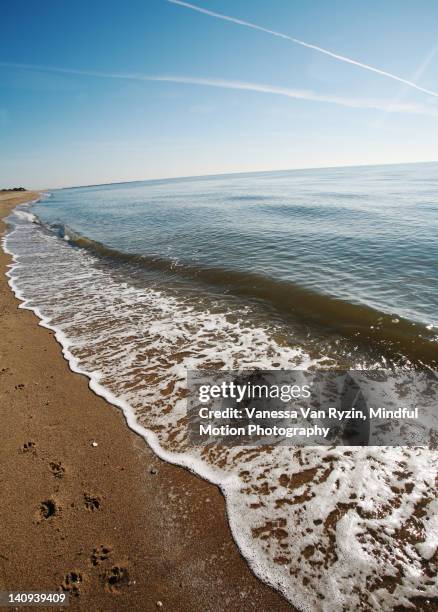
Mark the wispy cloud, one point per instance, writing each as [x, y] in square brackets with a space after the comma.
[297, 41]
[297, 94]
[399, 97]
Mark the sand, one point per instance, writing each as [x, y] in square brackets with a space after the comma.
[110, 523]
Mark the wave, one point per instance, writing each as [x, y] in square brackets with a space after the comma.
[26, 216]
[397, 338]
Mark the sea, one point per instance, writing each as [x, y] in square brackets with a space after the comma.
[302, 269]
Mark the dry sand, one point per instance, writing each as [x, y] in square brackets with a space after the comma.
[111, 523]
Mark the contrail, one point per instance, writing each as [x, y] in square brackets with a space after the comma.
[297, 41]
[398, 99]
[297, 94]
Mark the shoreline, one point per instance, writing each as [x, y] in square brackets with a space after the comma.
[112, 524]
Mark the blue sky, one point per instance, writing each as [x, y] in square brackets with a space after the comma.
[82, 98]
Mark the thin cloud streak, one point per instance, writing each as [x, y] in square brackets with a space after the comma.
[398, 99]
[297, 41]
[296, 94]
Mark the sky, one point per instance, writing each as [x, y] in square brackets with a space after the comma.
[116, 90]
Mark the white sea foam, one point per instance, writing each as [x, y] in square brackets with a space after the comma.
[24, 215]
[332, 529]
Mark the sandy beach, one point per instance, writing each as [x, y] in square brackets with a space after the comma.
[86, 507]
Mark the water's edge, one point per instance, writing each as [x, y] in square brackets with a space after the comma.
[226, 485]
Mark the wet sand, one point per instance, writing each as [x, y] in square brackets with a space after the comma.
[110, 523]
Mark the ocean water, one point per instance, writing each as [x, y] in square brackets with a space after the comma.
[278, 270]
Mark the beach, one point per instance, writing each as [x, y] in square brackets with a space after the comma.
[120, 504]
[86, 507]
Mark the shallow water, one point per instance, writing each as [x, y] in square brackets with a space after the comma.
[366, 235]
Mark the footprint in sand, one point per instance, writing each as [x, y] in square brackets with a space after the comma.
[73, 582]
[29, 447]
[57, 469]
[48, 509]
[116, 579]
[92, 502]
[100, 554]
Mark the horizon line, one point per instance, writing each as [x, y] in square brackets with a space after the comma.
[238, 172]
